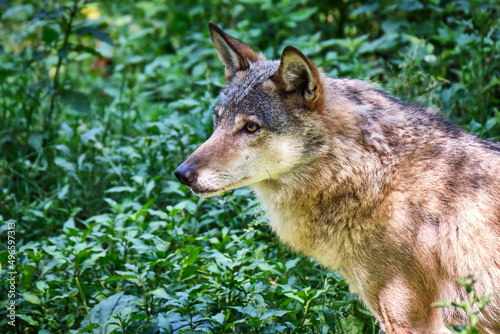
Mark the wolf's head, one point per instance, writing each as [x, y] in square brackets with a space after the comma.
[266, 124]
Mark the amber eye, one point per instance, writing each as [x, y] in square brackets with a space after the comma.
[252, 127]
[216, 117]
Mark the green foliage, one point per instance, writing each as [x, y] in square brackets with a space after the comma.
[472, 306]
[100, 101]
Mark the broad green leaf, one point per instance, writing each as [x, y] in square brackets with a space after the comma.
[76, 100]
[273, 313]
[41, 285]
[192, 256]
[87, 328]
[120, 189]
[293, 296]
[303, 14]
[31, 299]
[66, 165]
[28, 319]
[97, 33]
[49, 35]
[160, 293]
[118, 278]
[219, 317]
[63, 192]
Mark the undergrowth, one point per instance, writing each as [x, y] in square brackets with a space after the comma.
[101, 100]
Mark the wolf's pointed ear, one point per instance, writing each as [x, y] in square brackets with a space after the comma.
[235, 55]
[298, 74]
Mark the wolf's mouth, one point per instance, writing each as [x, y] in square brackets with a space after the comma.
[214, 192]
[206, 193]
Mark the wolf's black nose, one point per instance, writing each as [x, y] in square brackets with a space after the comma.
[185, 174]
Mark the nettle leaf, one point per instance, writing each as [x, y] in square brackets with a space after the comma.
[63, 163]
[293, 296]
[76, 100]
[143, 211]
[103, 313]
[443, 303]
[273, 313]
[160, 293]
[120, 189]
[97, 33]
[92, 51]
[219, 317]
[28, 319]
[303, 14]
[192, 257]
[88, 328]
[118, 278]
[63, 192]
[49, 35]
[31, 299]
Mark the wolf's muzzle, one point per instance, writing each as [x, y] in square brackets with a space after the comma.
[186, 174]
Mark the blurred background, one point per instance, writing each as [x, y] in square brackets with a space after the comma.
[101, 100]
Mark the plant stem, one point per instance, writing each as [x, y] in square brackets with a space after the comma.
[82, 296]
[55, 85]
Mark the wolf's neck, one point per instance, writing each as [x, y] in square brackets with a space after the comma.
[317, 211]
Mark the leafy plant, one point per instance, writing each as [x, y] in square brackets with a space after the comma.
[101, 100]
[472, 306]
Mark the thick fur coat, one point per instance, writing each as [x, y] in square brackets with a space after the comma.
[392, 194]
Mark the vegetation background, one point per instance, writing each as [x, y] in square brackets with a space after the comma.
[101, 100]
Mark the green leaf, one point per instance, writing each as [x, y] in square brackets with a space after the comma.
[63, 192]
[443, 303]
[191, 258]
[120, 189]
[160, 293]
[63, 163]
[118, 278]
[291, 295]
[219, 317]
[411, 5]
[76, 100]
[97, 33]
[303, 14]
[144, 210]
[27, 272]
[41, 285]
[273, 313]
[49, 35]
[28, 319]
[31, 299]
[149, 187]
[88, 328]
[92, 51]
[138, 316]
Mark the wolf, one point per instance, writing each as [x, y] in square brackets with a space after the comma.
[392, 194]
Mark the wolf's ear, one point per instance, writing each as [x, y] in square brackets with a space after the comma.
[235, 55]
[298, 74]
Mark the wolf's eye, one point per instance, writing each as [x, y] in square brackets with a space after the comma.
[251, 127]
[216, 117]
